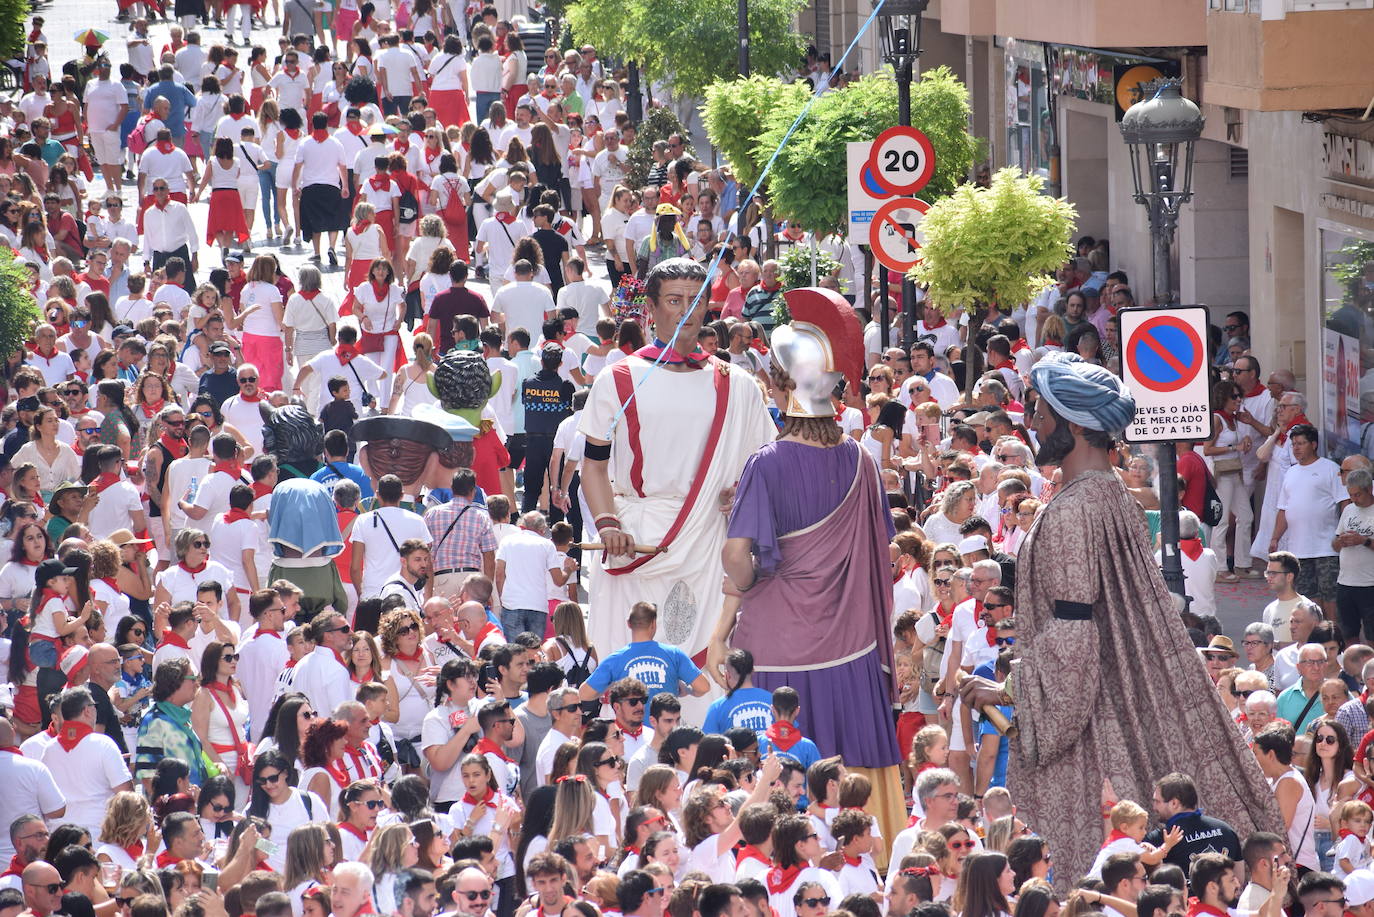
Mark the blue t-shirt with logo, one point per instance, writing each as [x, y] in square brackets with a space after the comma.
[751, 708]
[659, 666]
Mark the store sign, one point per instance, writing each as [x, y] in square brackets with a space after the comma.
[1347, 157]
[1364, 210]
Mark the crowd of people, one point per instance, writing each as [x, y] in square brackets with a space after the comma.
[194, 728]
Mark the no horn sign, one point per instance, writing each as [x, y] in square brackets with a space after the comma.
[1164, 364]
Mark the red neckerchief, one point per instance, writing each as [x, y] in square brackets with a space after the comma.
[308, 295]
[47, 356]
[750, 852]
[16, 866]
[346, 352]
[293, 133]
[268, 633]
[224, 688]
[852, 861]
[105, 479]
[12, 749]
[362, 226]
[1005, 364]
[1020, 345]
[1114, 837]
[354, 830]
[47, 596]
[260, 490]
[992, 635]
[232, 468]
[658, 352]
[150, 409]
[252, 399]
[336, 770]
[1301, 418]
[194, 570]
[167, 858]
[172, 638]
[1229, 417]
[381, 291]
[409, 657]
[176, 447]
[165, 146]
[1197, 907]
[485, 745]
[931, 326]
[633, 732]
[431, 155]
[1191, 546]
[380, 181]
[487, 628]
[134, 851]
[1346, 832]
[319, 134]
[780, 880]
[503, 217]
[354, 127]
[489, 800]
[1257, 390]
[38, 501]
[946, 617]
[72, 732]
[783, 734]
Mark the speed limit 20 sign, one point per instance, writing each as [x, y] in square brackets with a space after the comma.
[902, 160]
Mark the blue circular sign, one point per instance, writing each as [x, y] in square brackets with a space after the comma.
[871, 185]
[1165, 354]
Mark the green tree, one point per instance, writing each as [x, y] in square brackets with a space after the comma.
[807, 182]
[692, 42]
[13, 14]
[999, 244]
[658, 124]
[734, 115]
[19, 311]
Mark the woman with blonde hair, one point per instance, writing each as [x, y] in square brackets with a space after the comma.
[56, 461]
[570, 647]
[124, 832]
[410, 688]
[364, 242]
[411, 388]
[393, 849]
[660, 787]
[309, 854]
[573, 808]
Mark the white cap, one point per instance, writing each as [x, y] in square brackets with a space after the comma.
[1359, 887]
[973, 544]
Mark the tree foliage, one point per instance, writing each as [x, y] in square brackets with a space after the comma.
[19, 311]
[692, 42]
[13, 14]
[735, 112]
[807, 182]
[999, 244]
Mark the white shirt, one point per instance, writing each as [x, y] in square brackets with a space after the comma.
[436, 730]
[523, 304]
[29, 790]
[103, 99]
[170, 229]
[293, 813]
[246, 417]
[587, 297]
[262, 320]
[486, 75]
[118, 503]
[320, 161]
[55, 369]
[181, 584]
[322, 678]
[375, 531]
[171, 166]
[88, 773]
[1357, 562]
[527, 556]
[260, 660]
[326, 364]
[1309, 500]
[228, 541]
[543, 758]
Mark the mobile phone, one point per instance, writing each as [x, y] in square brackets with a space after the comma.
[488, 673]
[209, 880]
[266, 846]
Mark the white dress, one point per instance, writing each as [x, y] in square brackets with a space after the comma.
[415, 700]
[222, 738]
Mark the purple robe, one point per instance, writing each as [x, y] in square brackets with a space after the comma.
[818, 617]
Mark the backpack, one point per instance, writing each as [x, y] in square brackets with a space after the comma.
[407, 206]
[1213, 510]
[454, 211]
[138, 137]
[931, 656]
[579, 671]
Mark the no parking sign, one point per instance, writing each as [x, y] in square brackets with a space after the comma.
[1164, 364]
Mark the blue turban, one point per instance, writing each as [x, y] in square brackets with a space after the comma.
[1083, 393]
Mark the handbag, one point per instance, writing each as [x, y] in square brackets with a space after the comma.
[1213, 510]
[243, 757]
[407, 207]
[1226, 464]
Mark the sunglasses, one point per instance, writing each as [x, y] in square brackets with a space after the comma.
[374, 803]
[344, 629]
[308, 714]
[229, 657]
[943, 582]
[478, 896]
[816, 902]
[219, 809]
[656, 890]
[961, 845]
[613, 761]
[635, 701]
[175, 423]
[1005, 641]
[124, 902]
[160, 187]
[408, 629]
[1241, 694]
[1325, 740]
[88, 430]
[52, 887]
[243, 379]
[201, 543]
[264, 779]
[989, 606]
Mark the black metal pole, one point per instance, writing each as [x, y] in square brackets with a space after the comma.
[635, 108]
[904, 119]
[884, 309]
[1161, 227]
[743, 37]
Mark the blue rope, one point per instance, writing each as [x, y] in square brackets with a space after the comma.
[739, 219]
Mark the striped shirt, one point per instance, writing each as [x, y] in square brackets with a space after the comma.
[470, 538]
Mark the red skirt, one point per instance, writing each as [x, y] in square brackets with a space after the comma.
[513, 96]
[450, 107]
[314, 103]
[255, 97]
[226, 215]
[357, 274]
[344, 21]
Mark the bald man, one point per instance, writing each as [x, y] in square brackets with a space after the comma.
[29, 788]
[42, 888]
[472, 893]
[476, 629]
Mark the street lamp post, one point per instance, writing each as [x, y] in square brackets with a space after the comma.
[900, 34]
[1160, 132]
